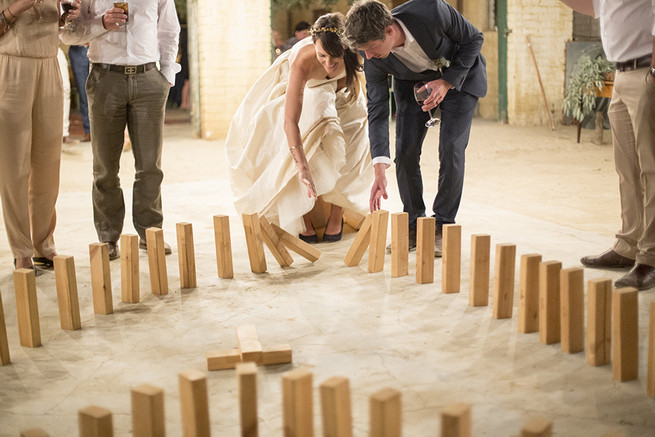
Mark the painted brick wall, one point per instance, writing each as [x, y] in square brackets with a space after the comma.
[549, 25]
[228, 65]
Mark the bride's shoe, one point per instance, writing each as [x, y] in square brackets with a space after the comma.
[331, 238]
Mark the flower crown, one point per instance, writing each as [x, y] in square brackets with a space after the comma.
[337, 30]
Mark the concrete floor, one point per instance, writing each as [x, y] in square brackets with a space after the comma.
[528, 186]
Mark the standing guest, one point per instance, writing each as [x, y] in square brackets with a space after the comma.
[31, 126]
[419, 41]
[300, 32]
[80, 66]
[125, 88]
[628, 35]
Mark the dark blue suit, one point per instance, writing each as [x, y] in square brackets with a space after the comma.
[442, 32]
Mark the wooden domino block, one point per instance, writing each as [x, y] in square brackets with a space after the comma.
[385, 411]
[353, 219]
[186, 255]
[537, 427]
[29, 329]
[625, 334]
[335, 407]
[425, 250]
[249, 345]
[223, 247]
[456, 420]
[277, 354]
[194, 404]
[247, 386]
[67, 300]
[650, 380]
[599, 321]
[480, 260]
[360, 244]
[34, 432]
[95, 422]
[503, 303]
[254, 242]
[399, 244]
[148, 418]
[101, 278]
[549, 290]
[4, 342]
[221, 360]
[295, 244]
[378, 244]
[572, 310]
[529, 293]
[130, 291]
[297, 404]
[275, 245]
[452, 258]
[157, 261]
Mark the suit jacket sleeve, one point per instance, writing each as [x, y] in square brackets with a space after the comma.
[377, 92]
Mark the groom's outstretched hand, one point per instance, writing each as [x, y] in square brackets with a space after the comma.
[379, 189]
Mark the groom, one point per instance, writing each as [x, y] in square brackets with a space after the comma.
[419, 41]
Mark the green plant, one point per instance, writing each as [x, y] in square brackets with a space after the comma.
[587, 78]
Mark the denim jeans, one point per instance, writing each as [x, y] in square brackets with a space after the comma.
[80, 66]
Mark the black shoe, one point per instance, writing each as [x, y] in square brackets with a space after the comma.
[114, 253]
[641, 277]
[607, 260]
[143, 245]
[43, 262]
[311, 239]
[331, 238]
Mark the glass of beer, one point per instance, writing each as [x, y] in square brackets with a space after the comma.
[123, 6]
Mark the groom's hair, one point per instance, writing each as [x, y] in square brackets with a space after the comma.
[366, 21]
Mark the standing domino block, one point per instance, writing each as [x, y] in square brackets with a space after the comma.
[549, 317]
[148, 418]
[101, 278]
[186, 255]
[572, 310]
[529, 293]
[399, 244]
[275, 245]
[503, 304]
[335, 407]
[34, 432]
[425, 250]
[650, 380]
[4, 343]
[360, 244]
[376, 251]
[247, 383]
[157, 261]
[66, 282]
[130, 292]
[452, 258]
[385, 411]
[537, 427]
[254, 242]
[625, 334]
[479, 284]
[29, 329]
[194, 404]
[223, 246]
[295, 244]
[456, 420]
[95, 422]
[599, 321]
[249, 345]
[297, 404]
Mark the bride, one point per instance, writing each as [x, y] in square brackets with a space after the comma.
[301, 133]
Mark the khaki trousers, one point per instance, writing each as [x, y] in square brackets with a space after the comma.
[138, 101]
[632, 117]
[30, 152]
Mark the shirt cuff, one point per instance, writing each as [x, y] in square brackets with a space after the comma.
[382, 160]
[170, 71]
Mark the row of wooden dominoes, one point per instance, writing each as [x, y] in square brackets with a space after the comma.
[385, 419]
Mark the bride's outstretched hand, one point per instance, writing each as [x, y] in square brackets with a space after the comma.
[306, 178]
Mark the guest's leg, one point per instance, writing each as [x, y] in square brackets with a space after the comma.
[80, 66]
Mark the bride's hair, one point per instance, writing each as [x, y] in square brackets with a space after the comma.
[329, 30]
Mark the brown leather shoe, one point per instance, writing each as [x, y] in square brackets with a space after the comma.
[114, 253]
[144, 246]
[607, 260]
[411, 241]
[641, 277]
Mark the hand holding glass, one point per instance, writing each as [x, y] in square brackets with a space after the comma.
[67, 6]
[421, 93]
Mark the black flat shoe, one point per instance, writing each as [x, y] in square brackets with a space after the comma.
[311, 239]
[331, 238]
[43, 262]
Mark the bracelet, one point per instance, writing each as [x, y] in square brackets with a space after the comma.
[299, 146]
[10, 13]
[4, 21]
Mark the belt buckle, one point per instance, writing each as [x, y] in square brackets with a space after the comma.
[129, 69]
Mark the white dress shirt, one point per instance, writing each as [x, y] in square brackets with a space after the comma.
[627, 28]
[151, 34]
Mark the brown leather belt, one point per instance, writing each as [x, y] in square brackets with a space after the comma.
[127, 69]
[634, 64]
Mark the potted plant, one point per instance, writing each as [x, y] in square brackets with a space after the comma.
[591, 78]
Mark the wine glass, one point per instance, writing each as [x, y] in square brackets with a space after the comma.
[67, 6]
[37, 10]
[421, 92]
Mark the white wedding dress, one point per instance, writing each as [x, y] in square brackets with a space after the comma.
[333, 128]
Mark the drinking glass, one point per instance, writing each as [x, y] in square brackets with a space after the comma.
[421, 92]
[37, 10]
[67, 6]
[124, 6]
